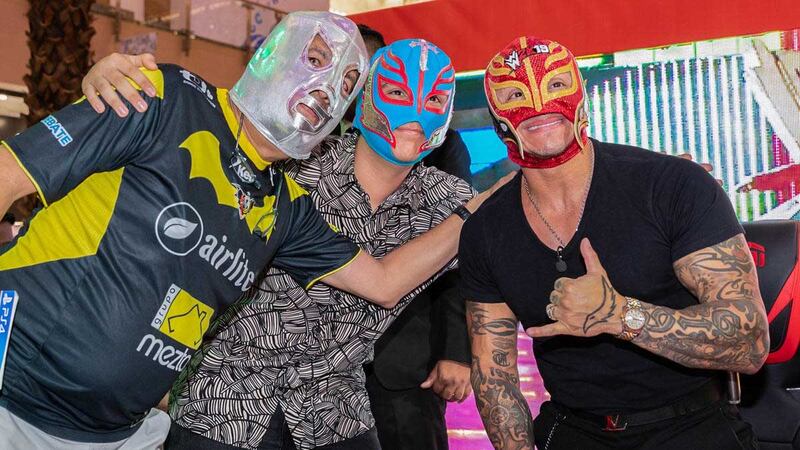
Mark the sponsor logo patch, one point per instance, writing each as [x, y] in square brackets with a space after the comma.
[8, 305]
[57, 130]
[183, 317]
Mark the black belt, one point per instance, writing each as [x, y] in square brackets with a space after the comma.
[706, 396]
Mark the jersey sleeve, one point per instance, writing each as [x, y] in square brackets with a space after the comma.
[64, 148]
[694, 209]
[474, 255]
[312, 249]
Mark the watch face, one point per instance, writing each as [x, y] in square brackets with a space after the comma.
[635, 319]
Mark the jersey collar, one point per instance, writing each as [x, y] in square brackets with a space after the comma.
[244, 143]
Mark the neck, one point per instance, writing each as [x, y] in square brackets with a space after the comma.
[264, 148]
[561, 188]
[378, 177]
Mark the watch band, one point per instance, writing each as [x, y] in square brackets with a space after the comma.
[628, 333]
[462, 212]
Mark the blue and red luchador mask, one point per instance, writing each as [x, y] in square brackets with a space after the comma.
[421, 70]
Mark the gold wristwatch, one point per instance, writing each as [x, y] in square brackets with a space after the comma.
[633, 319]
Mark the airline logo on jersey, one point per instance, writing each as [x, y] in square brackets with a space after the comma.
[179, 229]
[57, 130]
[183, 317]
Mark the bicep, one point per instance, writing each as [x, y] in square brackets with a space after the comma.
[721, 272]
[493, 332]
[14, 183]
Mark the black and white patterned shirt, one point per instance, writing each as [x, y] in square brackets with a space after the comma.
[304, 350]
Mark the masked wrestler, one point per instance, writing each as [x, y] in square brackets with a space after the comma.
[155, 223]
[627, 267]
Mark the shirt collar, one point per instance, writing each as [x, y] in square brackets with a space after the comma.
[408, 194]
[233, 124]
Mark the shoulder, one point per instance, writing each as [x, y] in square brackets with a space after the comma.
[651, 167]
[440, 186]
[176, 81]
[494, 212]
[323, 161]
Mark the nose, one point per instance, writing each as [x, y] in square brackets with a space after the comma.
[321, 97]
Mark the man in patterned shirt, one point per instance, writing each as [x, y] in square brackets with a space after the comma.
[287, 359]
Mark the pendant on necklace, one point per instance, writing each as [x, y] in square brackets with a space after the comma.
[244, 200]
[561, 265]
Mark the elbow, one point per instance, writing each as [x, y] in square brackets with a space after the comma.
[760, 350]
[384, 298]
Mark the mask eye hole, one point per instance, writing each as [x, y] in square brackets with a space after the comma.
[437, 103]
[508, 95]
[318, 54]
[393, 92]
[560, 82]
[349, 82]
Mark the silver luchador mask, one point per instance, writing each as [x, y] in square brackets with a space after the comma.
[279, 79]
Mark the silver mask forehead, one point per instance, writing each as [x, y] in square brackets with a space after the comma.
[277, 85]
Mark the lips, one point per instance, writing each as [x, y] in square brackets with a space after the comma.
[542, 122]
[309, 114]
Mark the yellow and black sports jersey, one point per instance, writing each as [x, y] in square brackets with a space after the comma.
[145, 237]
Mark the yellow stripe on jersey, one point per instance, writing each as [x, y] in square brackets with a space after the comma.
[70, 228]
[325, 275]
[244, 143]
[294, 189]
[28, 174]
[203, 147]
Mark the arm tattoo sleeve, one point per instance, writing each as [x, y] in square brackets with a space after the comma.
[728, 330]
[495, 379]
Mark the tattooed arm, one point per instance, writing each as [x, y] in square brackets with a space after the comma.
[495, 378]
[728, 330]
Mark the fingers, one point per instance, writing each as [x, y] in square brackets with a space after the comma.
[124, 87]
[708, 167]
[148, 61]
[551, 329]
[593, 265]
[429, 381]
[92, 97]
[686, 156]
[131, 69]
[110, 96]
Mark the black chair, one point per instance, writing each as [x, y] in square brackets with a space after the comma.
[770, 399]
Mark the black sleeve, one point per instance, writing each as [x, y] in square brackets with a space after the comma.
[692, 207]
[474, 256]
[311, 249]
[67, 146]
[451, 320]
[452, 157]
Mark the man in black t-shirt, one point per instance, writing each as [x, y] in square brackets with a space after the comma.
[627, 267]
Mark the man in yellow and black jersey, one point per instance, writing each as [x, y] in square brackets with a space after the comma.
[154, 223]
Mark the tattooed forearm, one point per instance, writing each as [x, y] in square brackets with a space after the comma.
[728, 330]
[480, 324]
[495, 379]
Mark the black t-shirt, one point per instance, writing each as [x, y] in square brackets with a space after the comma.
[644, 211]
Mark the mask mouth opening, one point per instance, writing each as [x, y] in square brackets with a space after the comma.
[310, 114]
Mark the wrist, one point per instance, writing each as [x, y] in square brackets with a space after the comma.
[633, 319]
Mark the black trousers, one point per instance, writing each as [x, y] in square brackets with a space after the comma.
[716, 427]
[278, 437]
[411, 419]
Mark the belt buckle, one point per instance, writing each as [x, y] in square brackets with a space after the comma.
[613, 423]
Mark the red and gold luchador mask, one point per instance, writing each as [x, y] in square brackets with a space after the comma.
[529, 64]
